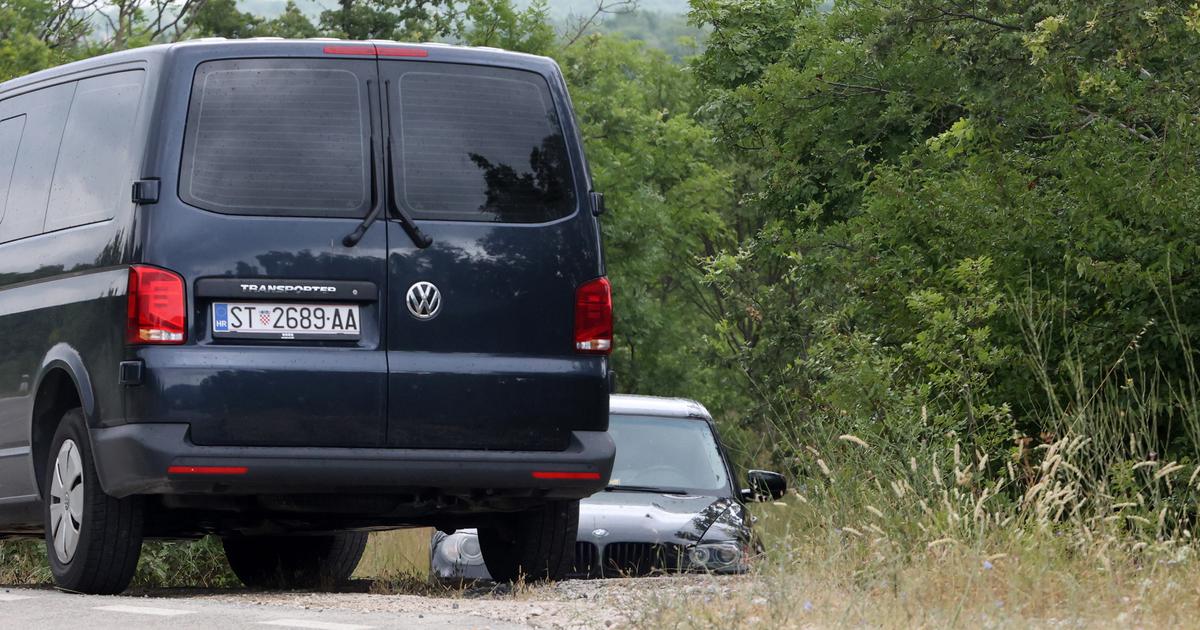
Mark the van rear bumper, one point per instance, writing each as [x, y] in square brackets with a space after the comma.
[135, 458]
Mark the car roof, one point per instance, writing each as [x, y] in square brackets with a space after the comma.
[657, 406]
[268, 46]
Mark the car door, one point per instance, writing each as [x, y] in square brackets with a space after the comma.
[480, 338]
[279, 164]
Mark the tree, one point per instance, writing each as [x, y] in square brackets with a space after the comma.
[966, 209]
[498, 24]
[221, 18]
[402, 20]
[36, 34]
[133, 23]
[292, 23]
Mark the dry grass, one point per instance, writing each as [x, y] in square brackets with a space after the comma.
[398, 552]
[965, 544]
[1090, 524]
[23, 562]
[832, 582]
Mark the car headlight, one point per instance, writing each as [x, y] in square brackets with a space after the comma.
[468, 549]
[717, 556]
[461, 549]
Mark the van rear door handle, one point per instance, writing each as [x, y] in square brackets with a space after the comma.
[145, 191]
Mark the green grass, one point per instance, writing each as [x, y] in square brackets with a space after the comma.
[201, 563]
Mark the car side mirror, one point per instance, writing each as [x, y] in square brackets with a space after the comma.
[597, 199]
[764, 485]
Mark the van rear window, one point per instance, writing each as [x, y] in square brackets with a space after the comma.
[480, 144]
[276, 136]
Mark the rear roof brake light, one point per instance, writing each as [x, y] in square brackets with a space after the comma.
[400, 51]
[371, 50]
[350, 49]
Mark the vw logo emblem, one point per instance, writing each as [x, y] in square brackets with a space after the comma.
[424, 300]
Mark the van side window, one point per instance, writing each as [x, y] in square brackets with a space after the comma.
[278, 137]
[95, 162]
[10, 139]
[29, 187]
[481, 144]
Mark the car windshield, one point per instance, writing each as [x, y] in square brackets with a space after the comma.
[674, 454]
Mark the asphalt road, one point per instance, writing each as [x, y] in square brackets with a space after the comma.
[40, 609]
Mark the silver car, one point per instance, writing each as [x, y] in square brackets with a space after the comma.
[672, 504]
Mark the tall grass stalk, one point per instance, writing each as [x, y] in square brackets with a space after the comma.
[1089, 522]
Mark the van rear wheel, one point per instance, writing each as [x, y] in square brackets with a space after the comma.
[294, 562]
[93, 540]
[537, 545]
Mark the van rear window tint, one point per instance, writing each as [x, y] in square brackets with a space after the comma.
[481, 144]
[286, 137]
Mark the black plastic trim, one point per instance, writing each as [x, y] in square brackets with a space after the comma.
[145, 191]
[133, 459]
[287, 289]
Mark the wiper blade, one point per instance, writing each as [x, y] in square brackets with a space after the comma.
[419, 238]
[352, 239]
[626, 488]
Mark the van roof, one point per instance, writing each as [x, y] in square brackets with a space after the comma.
[219, 47]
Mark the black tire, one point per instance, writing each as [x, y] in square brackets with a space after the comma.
[537, 545]
[109, 538]
[295, 562]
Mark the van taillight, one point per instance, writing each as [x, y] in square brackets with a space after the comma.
[157, 306]
[593, 317]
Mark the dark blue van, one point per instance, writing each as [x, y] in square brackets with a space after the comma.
[288, 292]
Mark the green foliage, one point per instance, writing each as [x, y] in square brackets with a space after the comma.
[666, 189]
[402, 20]
[668, 32]
[36, 34]
[292, 23]
[498, 24]
[198, 564]
[929, 172]
[221, 18]
[23, 561]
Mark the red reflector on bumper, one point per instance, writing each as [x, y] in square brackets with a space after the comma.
[206, 470]
[538, 474]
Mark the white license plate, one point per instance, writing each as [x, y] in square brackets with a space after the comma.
[286, 320]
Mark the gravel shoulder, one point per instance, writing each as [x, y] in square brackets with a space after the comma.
[584, 604]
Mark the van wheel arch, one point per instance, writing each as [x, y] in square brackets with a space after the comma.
[57, 393]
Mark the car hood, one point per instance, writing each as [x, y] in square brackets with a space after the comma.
[607, 517]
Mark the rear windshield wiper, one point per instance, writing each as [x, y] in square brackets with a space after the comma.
[352, 239]
[626, 488]
[419, 238]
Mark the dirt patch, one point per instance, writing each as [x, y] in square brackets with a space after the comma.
[571, 604]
